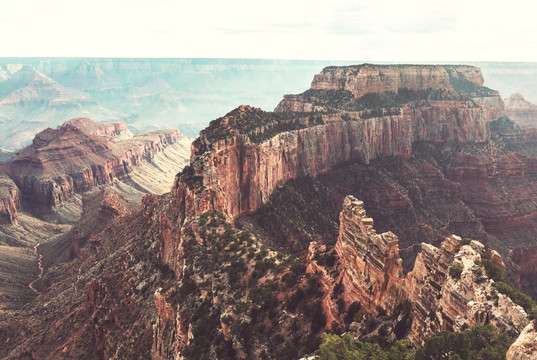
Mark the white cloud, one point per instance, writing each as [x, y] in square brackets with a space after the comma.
[412, 30]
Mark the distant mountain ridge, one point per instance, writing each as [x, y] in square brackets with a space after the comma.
[36, 93]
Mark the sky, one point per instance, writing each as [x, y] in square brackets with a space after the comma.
[376, 30]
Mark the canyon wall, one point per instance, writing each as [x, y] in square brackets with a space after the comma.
[256, 168]
[115, 131]
[238, 161]
[10, 201]
[525, 346]
[441, 301]
[369, 78]
[78, 156]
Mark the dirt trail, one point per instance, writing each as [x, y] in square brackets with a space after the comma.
[40, 264]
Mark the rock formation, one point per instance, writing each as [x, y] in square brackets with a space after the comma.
[342, 85]
[525, 346]
[115, 131]
[369, 78]
[174, 278]
[521, 111]
[254, 151]
[372, 266]
[373, 277]
[80, 155]
[10, 201]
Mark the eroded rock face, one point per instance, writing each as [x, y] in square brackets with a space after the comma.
[78, 156]
[373, 277]
[368, 78]
[373, 268]
[115, 131]
[525, 346]
[10, 201]
[240, 159]
[126, 303]
[445, 302]
[521, 111]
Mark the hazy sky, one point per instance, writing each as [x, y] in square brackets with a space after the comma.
[381, 30]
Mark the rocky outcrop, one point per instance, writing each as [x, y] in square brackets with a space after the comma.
[369, 78]
[372, 266]
[445, 301]
[319, 143]
[78, 156]
[521, 111]
[240, 159]
[442, 301]
[10, 201]
[525, 346]
[115, 131]
[227, 293]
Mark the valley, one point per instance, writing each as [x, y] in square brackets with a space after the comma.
[387, 201]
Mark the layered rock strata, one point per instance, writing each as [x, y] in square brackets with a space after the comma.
[523, 112]
[525, 346]
[115, 131]
[373, 277]
[10, 201]
[80, 155]
[369, 78]
[240, 159]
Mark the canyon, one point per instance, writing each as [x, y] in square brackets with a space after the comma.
[42, 189]
[153, 94]
[80, 155]
[207, 270]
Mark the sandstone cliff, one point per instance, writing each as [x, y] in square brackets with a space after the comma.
[369, 78]
[10, 201]
[525, 346]
[115, 131]
[373, 277]
[240, 159]
[372, 266]
[231, 294]
[80, 155]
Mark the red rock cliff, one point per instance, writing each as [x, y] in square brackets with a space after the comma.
[245, 171]
[372, 267]
[78, 156]
[112, 131]
[373, 277]
[369, 78]
[10, 201]
[242, 157]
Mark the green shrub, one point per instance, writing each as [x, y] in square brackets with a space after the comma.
[455, 271]
[466, 241]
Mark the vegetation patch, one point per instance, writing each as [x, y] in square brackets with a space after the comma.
[480, 342]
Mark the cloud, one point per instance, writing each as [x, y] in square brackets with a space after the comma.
[414, 30]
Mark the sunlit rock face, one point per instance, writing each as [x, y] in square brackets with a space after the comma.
[525, 346]
[373, 277]
[253, 151]
[81, 155]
